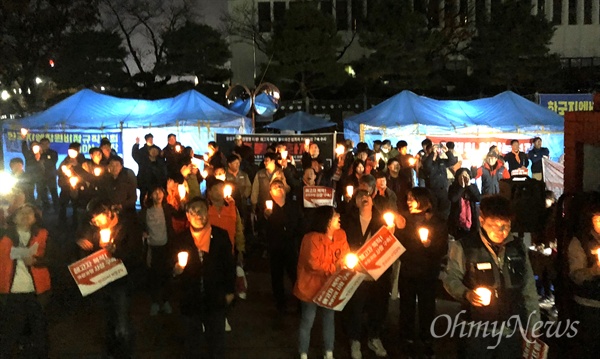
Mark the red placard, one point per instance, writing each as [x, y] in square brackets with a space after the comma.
[379, 252]
[96, 271]
[338, 289]
[317, 196]
[535, 349]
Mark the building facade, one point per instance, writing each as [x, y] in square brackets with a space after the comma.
[575, 40]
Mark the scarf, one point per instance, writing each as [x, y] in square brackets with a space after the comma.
[465, 217]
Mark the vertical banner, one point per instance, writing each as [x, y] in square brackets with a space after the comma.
[554, 176]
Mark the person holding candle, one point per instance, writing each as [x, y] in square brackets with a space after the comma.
[385, 199]
[50, 159]
[34, 166]
[157, 222]
[173, 157]
[68, 193]
[490, 274]
[463, 196]
[207, 281]
[121, 186]
[223, 213]
[242, 186]
[152, 168]
[321, 254]
[24, 286]
[425, 238]
[360, 222]
[584, 273]
[93, 174]
[284, 231]
[400, 178]
[124, 243]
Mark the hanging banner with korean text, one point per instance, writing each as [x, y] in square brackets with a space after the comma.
[59, 141]
[561, 103]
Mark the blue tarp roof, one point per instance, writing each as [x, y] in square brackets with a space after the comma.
[90, 110]
[300, 121]
[506, 112]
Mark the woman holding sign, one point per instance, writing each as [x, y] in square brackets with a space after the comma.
[425, 238]
[24, 285]
[321, 255]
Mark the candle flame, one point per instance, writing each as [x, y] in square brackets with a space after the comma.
[182, 191]
[284, 155]
[182, 258]
[178, 148]
[350, 191]
[485, 295]
[269, 204]
[73, 181]
[97, 171]
[24, 131]
[412, 161]
[389, 218]
[423, 234]
[339, 150]
[36, 149]
[227, 191]
[72, 153]
[104, 236]
[351, 260]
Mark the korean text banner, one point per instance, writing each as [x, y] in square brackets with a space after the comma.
[60, 140]
[294, 144]
[561, 103]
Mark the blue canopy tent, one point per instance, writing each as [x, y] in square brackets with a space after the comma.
[87, 116]
[411, 117]
[300, 121]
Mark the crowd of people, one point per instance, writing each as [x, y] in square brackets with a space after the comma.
[247, 208]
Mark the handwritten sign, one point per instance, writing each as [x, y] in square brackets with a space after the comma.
[379, 252]
[317, 196]
[338, 289]
[96, 271]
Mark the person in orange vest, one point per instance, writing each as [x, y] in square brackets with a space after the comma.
[24, 285]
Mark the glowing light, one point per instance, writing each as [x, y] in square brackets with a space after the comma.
[351, 260]
[339, 150]
[412, 161]
[38, 80]
[73, 181]
[5, 95]
[182, 191]
[196, 162]
[97, 171]
[182, 258]
[307, 141]
[66, 171]
[423, 234]
[177, 148]
[8, 182]
[350, 191]
[284, 155]
[72, 153]
[204, 174]
[485, 295]
[389, 218]
[104, 236]
[24, 132]
[269, 204]
[227, 191]
[36, 149]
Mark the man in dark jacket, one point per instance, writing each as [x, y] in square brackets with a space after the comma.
[516, 159]
[536, 155]
[152, 170]
[208, 281]
[493, 261]
[173, 155]
[50, 158]
[435, 163]
[121, 186]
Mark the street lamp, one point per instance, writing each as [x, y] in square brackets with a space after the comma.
[264, 100]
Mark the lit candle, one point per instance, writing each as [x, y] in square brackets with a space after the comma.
[35, 149]
[351, 260]
[182, 191]
[307, 141]
[269, 204]
[205, 156]
[182, 258]
[72, 153]
[350, 191]
[485, 295]
[24, 132]
[389, 218]
[66, 171]
[177, 148]
[104, 236]
[204, 174]
[97, 171]
[377, 157]
[339, 150]
[73, 181]
[412, 161]
[284, 155]
[424, 234]
[227, 190]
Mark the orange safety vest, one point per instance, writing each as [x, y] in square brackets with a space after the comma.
[40, 275]
[226, 219]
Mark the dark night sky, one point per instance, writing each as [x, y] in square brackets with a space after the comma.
[212, 11]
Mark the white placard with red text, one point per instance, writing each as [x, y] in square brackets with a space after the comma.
[317, 196]
[338, 289]
[535, 349]
[379, 252]
[96, 271]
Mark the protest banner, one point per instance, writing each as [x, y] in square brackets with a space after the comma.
[317, 196]
[294, 144]
[379, 252]
[534, 349]
[554, 176]
[338, 289]
[60, 140]
[96, 271]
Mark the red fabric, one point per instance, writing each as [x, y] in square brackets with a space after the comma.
[40, 275]
[465, 219]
